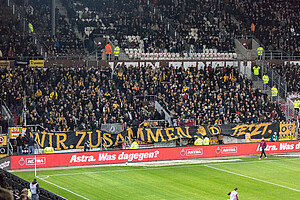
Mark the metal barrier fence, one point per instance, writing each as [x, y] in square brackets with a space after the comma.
[274, 80]
[153, 123]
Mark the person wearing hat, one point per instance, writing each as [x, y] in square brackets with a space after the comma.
[234, 194]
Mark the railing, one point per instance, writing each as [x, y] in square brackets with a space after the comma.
[10, 149]
[35, 126]
[6, 112]
[66, 57]
[129, 141]
[274, 79]
[153, 123]
[184, 122]
[290, 110]
[146, 97]
[103, 144]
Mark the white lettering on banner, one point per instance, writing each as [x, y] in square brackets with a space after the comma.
[38, 160]
[83, 158]
[271, 148]
[137, 156]
[135, 64]
[4, 164]
[106, 156]
[176, 63]
[285, 146]
[268, 148]
[226, 150]
[194, 152]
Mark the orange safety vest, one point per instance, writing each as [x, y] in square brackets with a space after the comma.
[108, 49]
[252, 27]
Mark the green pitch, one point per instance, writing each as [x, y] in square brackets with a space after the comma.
[274, 178]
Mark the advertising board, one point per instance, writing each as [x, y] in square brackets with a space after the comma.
[139, 155]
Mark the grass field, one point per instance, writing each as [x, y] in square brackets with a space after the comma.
[271, 179]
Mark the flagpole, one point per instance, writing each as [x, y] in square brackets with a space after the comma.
[34, 166]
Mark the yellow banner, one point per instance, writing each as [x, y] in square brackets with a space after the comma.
[3, 140]
[287, 132]
[3, 155]
[4, 63]
[15, 131]
[36, 63]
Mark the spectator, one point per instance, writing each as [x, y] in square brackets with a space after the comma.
[20, 144]
[31, 145]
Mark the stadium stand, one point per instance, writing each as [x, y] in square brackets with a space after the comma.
[65, 42]
[66, 98]
[149, 35]
[13, 41]
[18, 184]
[275, 24]
[291, 74]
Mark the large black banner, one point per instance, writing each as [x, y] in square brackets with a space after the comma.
[76, 139]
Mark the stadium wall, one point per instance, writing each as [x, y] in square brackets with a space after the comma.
[140, 155]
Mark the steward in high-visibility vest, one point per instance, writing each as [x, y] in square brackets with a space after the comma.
[198, 141]
[108, 49]
[117, 51]
[248, 137]
[260, 51]
[266, 79]
[48, 150]
[274, 91]
[256, 70]
[297, 104]
[134, 145]
[206, 141]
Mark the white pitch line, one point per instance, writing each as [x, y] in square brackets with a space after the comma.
[140, 169]
[230, 172]
[63, 188]
[226, 162]
[254, 161]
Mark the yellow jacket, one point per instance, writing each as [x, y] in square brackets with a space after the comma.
[134, 145]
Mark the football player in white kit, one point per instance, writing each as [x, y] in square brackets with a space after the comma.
[233, 194]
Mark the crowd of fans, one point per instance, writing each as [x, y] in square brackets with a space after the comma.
[38, 13]
[210, 95]
[64, 99]
[14, 42]
[7, 192]
[291, 74]
[275, 23]
[161, 26]
[164, 26]
[214, 27]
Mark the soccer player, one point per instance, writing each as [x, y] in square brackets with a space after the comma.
[263, 145]
[233, 194]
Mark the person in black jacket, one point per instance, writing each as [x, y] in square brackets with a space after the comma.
[30, 145]
[20, 144]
